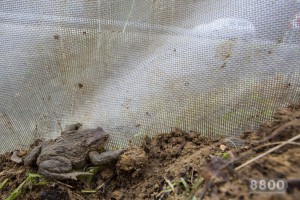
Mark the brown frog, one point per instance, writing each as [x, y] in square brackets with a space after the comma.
[57, 159]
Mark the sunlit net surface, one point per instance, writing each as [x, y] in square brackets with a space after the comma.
[139, 68]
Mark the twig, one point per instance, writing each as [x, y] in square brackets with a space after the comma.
[79, 196]
[192, 175]
[274, 143]
[89, 191]
[11, 172]
[269, 151]
[69, 186]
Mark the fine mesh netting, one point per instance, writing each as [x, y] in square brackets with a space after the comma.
[139, 68]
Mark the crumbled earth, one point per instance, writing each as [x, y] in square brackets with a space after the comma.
[180, 165]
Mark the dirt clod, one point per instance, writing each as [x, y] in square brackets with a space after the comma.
[132, 159]
[53, 195]
[107, 174]
[117, 195]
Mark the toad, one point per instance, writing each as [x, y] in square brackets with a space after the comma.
[57, 159]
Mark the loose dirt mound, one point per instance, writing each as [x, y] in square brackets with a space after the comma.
[181, 165]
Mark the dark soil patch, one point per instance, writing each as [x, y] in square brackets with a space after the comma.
[182, 165]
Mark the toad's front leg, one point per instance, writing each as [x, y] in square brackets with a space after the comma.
[105, 158]
[31, 158]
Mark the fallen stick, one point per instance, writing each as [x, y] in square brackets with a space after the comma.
[275, 143]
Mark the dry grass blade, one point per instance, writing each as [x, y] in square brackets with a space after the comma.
[11, 172]
[170, 184]
[88, 191]
[69, 186]
[78, 196]
[161, 194]
[3, 183]
[100, 186]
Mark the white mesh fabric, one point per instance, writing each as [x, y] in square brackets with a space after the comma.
[138, 68]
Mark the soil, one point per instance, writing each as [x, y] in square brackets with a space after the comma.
[180, 165]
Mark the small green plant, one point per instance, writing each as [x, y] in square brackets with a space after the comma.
[224, 155]
[16, 192]
[189, 188]
[31, 180]
[36, 179]
[195, 188]
[3, 183]
[87, 178]
[89, 174]
[186, 186]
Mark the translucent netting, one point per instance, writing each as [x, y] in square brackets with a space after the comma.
[138, 68]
